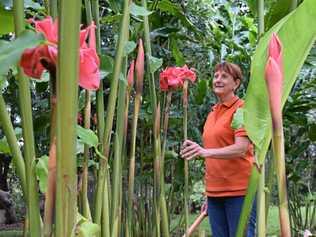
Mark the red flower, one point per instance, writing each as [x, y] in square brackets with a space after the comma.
[274, 79]
[173, 77]
[34, 61]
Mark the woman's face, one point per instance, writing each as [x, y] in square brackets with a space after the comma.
[224, 83]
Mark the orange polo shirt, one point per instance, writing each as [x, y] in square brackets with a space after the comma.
[225, 177]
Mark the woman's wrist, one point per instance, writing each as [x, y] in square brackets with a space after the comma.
[206, 153]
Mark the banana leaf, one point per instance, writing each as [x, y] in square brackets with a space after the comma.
[297, 39]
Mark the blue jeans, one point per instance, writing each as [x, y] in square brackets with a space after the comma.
[224, 212]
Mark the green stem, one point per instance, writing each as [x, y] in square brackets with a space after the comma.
[137, 104]
[261, 224]
[27, 125]
[165, 128]
[100, 99]
[100, 127]
[163, 205]
[102, 179]
[51, 180]
[148, 55]
[87, 115]
[157, 172]
[117, 163]
[53, 9]
[293, 4]
[269, 185]
[13, 144]
[67, 105]
[186, 164]
[278, 150]
[84, 192]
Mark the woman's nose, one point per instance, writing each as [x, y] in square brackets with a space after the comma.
[218, 78]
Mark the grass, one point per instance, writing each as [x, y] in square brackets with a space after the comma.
[11, 233]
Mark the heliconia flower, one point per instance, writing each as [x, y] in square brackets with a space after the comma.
[34, 61]
[139, 66]
[130, 74]
[274, 80]
[174, 77]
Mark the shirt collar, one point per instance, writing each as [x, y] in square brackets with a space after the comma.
[230, 102]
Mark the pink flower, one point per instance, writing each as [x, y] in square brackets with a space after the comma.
[188, 73]
[274, 79]
[34, 61]
[173, 77]
[139, 67]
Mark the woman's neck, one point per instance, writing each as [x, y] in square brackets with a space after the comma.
[226, 98]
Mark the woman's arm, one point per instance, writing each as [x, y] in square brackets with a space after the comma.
[190, 150]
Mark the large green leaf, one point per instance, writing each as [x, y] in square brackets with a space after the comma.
[136, 10]
[175, 10]
[129, 47]
[4, 146]
[176, 53]
[10, 53]
[297, 42]
[278, 10]
[154, 63]
[41, 171]
[6, 21]
[107, 63]
[87, 136]
[86, 228]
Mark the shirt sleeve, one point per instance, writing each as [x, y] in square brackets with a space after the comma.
[240, 132]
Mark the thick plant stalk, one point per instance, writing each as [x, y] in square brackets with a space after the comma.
[27, 125]
[100, 102]
[14, 146]
[67, 104]
[163, 205]
[105, 227]
[261, 195]
[87, 115]
[84, 192]
[149, 54]
[274, 82]
[186, 164]
[165, 127]
[137, 103]
[52, 8]
[270, 183]
[118, 154]
[51, 183]
[157, 175]
[278, 150]
[293, 4]
[102, 177]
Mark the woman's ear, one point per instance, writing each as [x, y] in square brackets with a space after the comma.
[237, 82]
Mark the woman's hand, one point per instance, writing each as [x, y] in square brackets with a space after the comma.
[204, 208]
[190, 150]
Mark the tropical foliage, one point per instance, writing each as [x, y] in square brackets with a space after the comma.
[103, 157]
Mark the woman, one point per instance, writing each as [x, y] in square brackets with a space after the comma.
[228, 155]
